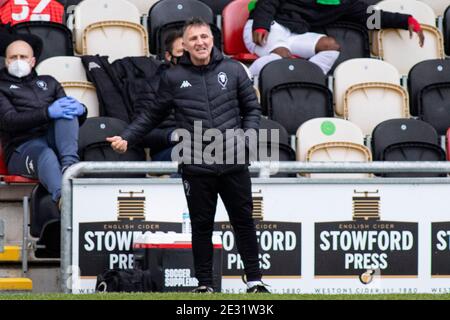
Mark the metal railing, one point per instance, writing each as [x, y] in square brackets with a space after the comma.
[265, 169]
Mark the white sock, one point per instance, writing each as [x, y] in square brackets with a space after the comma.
[251, 284]
[259, 63]
[325, 59]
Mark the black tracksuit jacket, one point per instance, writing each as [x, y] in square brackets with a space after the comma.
[196, 94]
[300, 16]
[24, 106]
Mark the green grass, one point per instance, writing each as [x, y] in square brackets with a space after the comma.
[218, 296]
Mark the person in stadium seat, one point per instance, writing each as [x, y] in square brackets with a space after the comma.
[38, 123]
[281, 28]
[207, 88]
[13, 11]
[159, 139]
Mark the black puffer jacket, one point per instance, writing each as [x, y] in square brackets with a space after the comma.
[197, 94]
[23, 107]
[301, 16]
[159, 138]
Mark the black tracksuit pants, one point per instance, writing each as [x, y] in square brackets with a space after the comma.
[235, 191]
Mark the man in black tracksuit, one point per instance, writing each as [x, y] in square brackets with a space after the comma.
[282, 29]
[38, 123]
[205, 87]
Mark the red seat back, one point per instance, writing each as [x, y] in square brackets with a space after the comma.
[234, 17]
[3, 167]
[4, 172]
[448, 144]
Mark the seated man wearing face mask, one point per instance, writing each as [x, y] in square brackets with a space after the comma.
[38, 123]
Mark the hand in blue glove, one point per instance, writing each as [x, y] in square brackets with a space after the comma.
[61, 108]
[79, 108]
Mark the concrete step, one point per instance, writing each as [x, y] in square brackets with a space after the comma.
[16, 284]
[11, 270]
[11, 254]
[45, 277]
[15, 192]
[12, 215]
[11, 211]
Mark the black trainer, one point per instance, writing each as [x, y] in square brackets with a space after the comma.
[203, 289]
[259, 288]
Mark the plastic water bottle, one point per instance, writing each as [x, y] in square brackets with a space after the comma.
[186, 226]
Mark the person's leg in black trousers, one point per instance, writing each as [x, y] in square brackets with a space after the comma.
[235, 190]
[201, 196]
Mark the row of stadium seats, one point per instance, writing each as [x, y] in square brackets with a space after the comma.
[144, 6]
[334, 139]
[365, 91]
[120, 22]
[331, 139]
[390, 45]
[217, 6]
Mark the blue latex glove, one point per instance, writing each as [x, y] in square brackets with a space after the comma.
[75, 108]
[61, 108]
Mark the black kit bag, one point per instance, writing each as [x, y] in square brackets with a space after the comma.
[127, 281]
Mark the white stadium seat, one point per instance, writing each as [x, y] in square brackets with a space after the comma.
[63, 69]
[324, 130]
[369, 104]
[143, 5]
[85, 93]
[88, 12]
[438, 6]
[69, 71]
[331, 139]
[339, 151]
[115, 39]
[357, 71]
[396, 47]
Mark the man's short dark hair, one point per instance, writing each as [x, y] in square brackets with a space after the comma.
[171, 37]
[195, 22]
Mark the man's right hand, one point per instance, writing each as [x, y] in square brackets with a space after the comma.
[118, 144]
[260, 37]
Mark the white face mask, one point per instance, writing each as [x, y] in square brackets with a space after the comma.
[19, 68]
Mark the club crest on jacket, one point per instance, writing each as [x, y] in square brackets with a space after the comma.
[42, 85]
[223, 79]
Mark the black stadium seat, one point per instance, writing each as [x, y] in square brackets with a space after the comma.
[406, 140]
[56, 38]
[352, 38]
[268, 124]
[167, 15]
[69, 3]
[282, 145]
[429, 92]
[216, 5]
[371, 2]
[434, 106]
[294, 91]
[92, 144]
[446, 31]
[69, 7]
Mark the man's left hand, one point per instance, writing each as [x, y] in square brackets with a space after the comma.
[76, 108]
